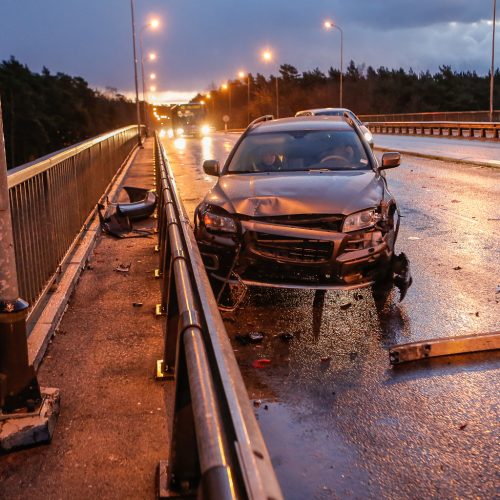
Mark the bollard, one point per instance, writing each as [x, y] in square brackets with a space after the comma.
[27, 416]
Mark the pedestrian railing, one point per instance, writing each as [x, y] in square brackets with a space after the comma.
[51, 199]
[470, 130]
[217, 449]
[436, 116]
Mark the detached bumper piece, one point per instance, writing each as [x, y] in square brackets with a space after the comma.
[433, 348]
[119, 223]
[142, 204]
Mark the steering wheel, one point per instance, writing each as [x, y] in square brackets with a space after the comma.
[334, 158]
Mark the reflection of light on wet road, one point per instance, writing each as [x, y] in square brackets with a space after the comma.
[207, 149]
[228, 145]
[180, 144]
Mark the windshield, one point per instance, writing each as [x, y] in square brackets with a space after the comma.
[300, 151]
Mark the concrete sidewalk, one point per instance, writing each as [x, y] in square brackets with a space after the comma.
[112, 430]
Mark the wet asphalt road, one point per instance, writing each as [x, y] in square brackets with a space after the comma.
[338, 420]
[457, 149]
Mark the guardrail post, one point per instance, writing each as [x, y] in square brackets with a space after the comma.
[20, 394]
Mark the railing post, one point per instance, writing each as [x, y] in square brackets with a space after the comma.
[19, 390]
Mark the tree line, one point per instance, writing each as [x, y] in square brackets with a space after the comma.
[365, 90]
[44, 112]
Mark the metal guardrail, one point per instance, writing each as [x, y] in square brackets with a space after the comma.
[51, 198]
[438, 116]
[470, 130]
[217, 449]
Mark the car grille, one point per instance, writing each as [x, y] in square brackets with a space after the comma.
[293, 249]
[322, 222]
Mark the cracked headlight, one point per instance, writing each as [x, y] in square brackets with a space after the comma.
[216, 222]
[360, 220]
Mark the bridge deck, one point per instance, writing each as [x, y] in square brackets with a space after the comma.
[112, 429]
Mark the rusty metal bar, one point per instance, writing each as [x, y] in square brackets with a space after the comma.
[447, 346]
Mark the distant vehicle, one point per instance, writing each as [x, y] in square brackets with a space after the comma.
[189, 119]
[302, 203]
[339, 112]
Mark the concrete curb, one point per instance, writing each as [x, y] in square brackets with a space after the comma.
[51, 316]
[480, 163]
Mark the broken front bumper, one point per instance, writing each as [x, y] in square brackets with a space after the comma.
[275, 255]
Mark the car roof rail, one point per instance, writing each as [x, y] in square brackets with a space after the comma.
[265, 118]
[349, 120]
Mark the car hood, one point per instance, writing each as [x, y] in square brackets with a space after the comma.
[293, 194]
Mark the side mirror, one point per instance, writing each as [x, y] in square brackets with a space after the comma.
[211, 167]
[390, 160]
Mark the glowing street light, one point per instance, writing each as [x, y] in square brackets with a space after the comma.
[152, 76]
[152, 88]
[329, 25]
[267, 56]
[152, 56]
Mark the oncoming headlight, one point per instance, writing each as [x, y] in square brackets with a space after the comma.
[205, 129]
[360, 220]
[217, 222]
[180, 131]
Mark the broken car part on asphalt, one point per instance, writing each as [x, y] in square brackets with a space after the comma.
[446, 346]
[119, 223]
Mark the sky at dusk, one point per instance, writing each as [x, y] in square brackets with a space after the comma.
[205, 41]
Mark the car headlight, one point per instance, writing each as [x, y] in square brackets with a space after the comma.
[360, 220]
[170, 133]
[217, 222]
[180, 131]
[205, 129]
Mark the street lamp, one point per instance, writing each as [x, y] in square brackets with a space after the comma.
[267, 56]
[135, 76]
[329, 25]
[227, 86]
[152, 76]
[153, 24]
[492, 73]
[241, 75]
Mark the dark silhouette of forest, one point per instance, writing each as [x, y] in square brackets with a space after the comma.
[365, 90]
[43, 113]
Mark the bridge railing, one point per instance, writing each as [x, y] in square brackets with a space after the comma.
[470, 130]
[51, 199]
[217, 449]
[456, 116]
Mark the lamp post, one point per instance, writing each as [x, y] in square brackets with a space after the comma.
[267, 56]
[492, 71]
[329, 25]
[153, 24]
[241, 75]
[135, 76]
[227, 86]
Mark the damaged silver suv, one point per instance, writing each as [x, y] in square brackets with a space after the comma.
[301, 203]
